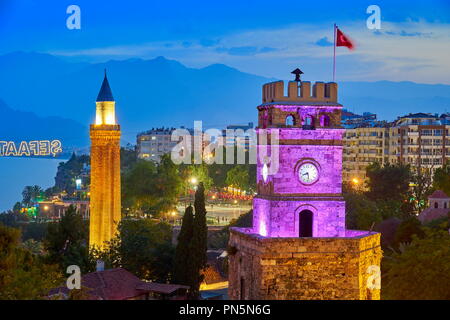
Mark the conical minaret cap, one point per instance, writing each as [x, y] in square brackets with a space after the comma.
[105, 93]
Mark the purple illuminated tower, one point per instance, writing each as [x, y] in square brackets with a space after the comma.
[299, 247]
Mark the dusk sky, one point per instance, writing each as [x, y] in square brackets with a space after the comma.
[260, 37]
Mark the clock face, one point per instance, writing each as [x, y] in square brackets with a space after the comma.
[308, 173]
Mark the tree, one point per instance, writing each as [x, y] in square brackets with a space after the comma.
[183, 260]
[68, 171]
[66, 241]
[390, 182]
[152, 188]
[137, 187]
[13, 219]
[23, 276]
[128, 157]
[441, 179]
[167, 185]
[30, 193]
[143, 247]
[200, 172]
[421, 187]
[199, 240]
[420, 270]
[238, 177]
[407, 229]
[361, 213]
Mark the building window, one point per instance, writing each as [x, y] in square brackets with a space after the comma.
[290, 121]
[325, 121]
[436, 205]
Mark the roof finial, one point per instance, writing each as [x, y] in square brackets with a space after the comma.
[297, 73]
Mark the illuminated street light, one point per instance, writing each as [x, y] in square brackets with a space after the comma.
[194, 180]
[45, 208]
[355, 180]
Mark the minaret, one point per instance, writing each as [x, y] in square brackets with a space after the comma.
[105, 212]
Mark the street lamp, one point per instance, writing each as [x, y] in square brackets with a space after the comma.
[173, 214]
[193, 181]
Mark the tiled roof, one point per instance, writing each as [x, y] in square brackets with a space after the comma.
[117, 284]
[164, 288]
[438, 194]
[418, 115]
[212, 275]
[112, 284]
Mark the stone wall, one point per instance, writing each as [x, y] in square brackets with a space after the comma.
[302, 268]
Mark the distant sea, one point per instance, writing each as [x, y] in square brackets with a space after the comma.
[16, 173]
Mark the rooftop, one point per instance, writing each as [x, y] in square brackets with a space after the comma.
[438, 194]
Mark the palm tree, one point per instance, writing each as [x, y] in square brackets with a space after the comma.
[30, 193]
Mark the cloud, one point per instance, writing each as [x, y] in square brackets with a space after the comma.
[392, 53]
[323, 42]
[209, 43]
[404, 33]
[245, 50]
[267, 49]
[186, 44]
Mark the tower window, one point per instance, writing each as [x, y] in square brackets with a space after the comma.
[290, 121]
[436, 205]
[306, 224]
[308, 123]
[325, 121]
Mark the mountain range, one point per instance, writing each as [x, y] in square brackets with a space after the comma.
[18, 126]
[57, 97]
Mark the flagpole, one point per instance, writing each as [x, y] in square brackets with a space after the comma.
[334, 53]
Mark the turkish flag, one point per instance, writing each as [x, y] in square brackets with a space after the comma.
[343, 41]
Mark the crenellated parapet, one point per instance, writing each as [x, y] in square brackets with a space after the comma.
[321, 92]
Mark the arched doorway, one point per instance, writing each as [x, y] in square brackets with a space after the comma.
[306, 224]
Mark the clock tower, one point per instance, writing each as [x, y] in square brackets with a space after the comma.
[298, 247]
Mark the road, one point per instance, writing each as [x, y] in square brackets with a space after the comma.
[220, 214]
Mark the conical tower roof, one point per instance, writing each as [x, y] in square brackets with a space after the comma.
[105, 93]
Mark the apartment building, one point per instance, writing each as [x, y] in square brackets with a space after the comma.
[241, 136]
[363, 146]
[154, 143]
[421, 140]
